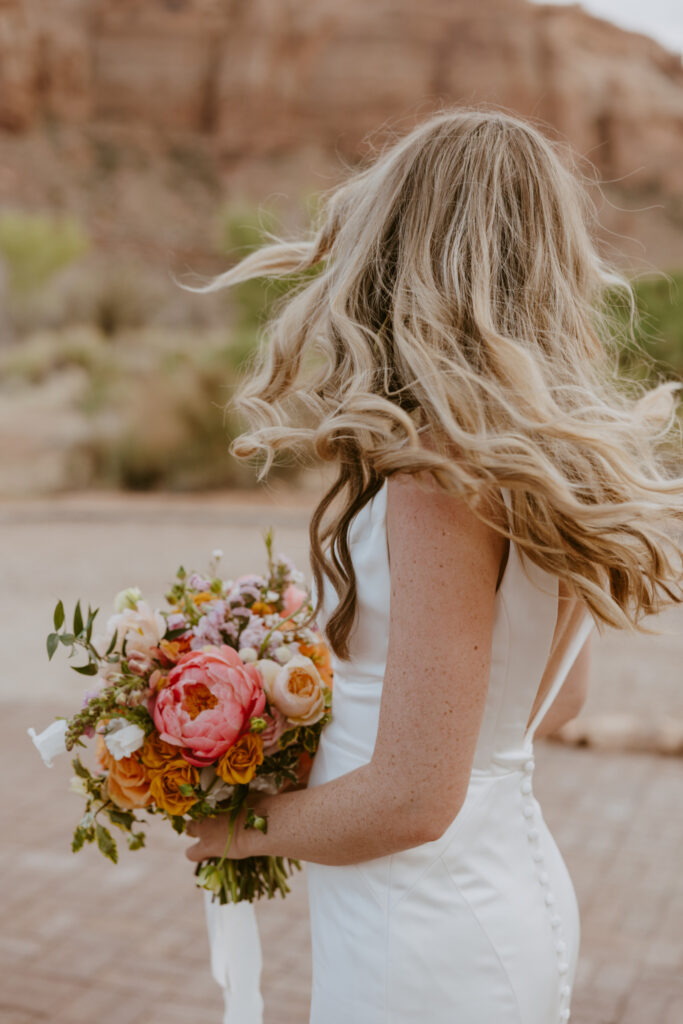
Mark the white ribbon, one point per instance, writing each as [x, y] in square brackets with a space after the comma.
[236, 959]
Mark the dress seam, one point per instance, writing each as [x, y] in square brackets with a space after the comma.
[484, 932]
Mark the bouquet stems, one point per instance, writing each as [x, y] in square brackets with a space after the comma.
[249, 878]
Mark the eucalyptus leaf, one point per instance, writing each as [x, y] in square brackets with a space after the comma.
[86, 670]
[58, 617]
[52, 644]
[112, 643]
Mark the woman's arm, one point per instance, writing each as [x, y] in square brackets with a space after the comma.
[572, 695]
[444, 567]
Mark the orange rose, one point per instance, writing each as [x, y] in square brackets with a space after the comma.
[320, 656]
[239, 763]
[128, 783]
[165, 786]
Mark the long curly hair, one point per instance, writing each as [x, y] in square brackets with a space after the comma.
[459, 291]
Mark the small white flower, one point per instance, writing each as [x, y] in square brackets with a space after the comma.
[127, 598]
[123, 738]
[248, 654]
[50, 741]
[297, 576]
[265, 783]
[221, 791]
[272, 595]
[283, 654]
[77, 785]
[217, 553]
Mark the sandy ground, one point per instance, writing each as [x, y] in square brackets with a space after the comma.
[83, 940]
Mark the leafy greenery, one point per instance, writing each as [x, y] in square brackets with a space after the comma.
[659, 327]
[36, 245]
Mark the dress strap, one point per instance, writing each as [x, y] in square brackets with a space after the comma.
[568, 658]
[581, 633]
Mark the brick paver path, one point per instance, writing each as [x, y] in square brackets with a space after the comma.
[86, 941]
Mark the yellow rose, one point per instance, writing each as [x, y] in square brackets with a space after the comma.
[165, 786]
[239, 763]
[156, 753]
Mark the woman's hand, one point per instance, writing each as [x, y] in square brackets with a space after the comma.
[212, 835]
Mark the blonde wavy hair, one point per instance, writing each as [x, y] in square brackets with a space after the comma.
[459, 292]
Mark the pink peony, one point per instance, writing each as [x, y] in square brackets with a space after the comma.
[292, 599]
[207, 703]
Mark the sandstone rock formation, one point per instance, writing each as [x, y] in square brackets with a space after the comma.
[247, 82]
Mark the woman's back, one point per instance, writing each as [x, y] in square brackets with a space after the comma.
[493, 886]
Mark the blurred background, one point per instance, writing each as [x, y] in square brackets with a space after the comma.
[146, 141]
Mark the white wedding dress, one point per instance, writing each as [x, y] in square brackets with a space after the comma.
[480, 926]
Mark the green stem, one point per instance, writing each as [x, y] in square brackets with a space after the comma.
[264, 642]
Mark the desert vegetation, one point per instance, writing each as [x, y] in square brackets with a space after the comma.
[113, 376]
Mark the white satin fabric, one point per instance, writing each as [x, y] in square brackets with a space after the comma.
[236, 959]
[480, 926]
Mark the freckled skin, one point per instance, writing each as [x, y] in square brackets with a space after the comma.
[444, 564]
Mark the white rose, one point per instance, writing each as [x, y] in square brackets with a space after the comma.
[297, 691]
[123, 738]
[50, 741]
[268, 669]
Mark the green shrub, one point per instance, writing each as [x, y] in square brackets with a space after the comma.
[656, 349]
[36, 245]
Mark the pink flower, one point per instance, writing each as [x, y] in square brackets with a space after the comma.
[292, 599]
[207, 702]
[277, 723]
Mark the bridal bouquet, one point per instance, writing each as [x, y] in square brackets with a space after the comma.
[223, 691]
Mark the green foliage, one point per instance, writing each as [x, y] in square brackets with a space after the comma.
[106, 842]
[36, 245]
[656, 348]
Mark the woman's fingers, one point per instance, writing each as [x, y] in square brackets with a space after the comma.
[191, 828]
[195, 852]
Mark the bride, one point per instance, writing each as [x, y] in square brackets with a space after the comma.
[447, 348]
